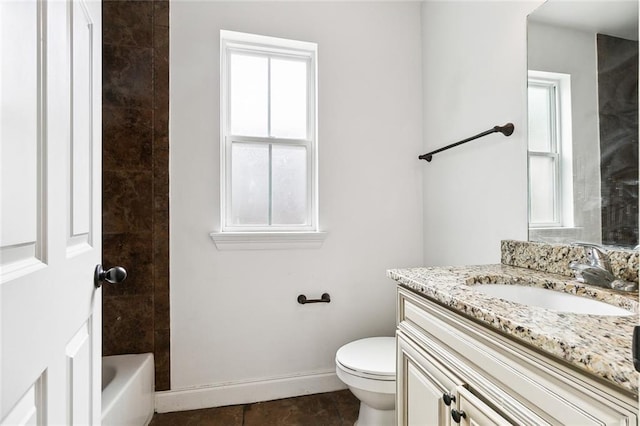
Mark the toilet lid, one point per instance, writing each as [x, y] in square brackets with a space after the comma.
[374, 355]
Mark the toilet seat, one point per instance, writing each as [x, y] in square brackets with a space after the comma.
[372, 358]
[362, 375]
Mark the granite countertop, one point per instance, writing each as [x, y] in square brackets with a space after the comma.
[600, 345]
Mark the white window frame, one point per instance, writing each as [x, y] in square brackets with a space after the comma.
[561, 147]
[270, 236]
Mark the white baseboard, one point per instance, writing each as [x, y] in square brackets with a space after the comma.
[246, 392]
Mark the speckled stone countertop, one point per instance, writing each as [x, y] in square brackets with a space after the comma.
[600, 345]
[555, 258]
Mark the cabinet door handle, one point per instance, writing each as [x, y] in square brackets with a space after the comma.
[448, 398]
[458, 415]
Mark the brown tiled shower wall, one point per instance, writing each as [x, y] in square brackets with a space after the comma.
[135, 173]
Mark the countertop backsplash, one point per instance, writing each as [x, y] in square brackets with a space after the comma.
[555, 258]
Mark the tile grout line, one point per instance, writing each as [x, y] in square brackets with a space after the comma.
[244, 408]
[335, 404]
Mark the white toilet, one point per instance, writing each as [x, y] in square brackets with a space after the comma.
[368, 368]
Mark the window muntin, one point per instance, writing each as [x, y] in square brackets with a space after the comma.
[269, 134]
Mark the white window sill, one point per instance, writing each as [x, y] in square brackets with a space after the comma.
[549, 228]
[267, 240]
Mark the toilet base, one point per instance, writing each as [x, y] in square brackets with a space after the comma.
[370, 416]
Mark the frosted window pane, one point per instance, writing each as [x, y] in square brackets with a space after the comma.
[249, 95]
[542, 189]
[289, 185]
[540, 118]
[249, 184]
[288, 98]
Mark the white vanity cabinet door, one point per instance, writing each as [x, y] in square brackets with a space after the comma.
[421, 382]
[476, 412]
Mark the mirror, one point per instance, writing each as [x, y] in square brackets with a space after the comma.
[583, 122]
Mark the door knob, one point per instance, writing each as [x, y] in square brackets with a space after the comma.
[113, 275]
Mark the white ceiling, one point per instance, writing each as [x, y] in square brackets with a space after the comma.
[611, 17]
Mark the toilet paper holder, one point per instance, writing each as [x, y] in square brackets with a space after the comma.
[325, 298]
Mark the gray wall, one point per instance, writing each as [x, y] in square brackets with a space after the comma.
[474, 77]
[235, 322]
[573, 52]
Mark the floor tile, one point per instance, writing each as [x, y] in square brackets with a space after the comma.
[221, 416]
[348, 406]
[311, 410]
[326, 409]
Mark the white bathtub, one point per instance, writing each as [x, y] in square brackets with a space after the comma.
[127, 390]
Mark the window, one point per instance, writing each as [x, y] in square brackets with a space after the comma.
[549, 154]
[268, 134]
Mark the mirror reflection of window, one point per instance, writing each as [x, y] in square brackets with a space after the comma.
[549, 151]
[586, 39]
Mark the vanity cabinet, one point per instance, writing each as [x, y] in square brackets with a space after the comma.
[433, 395]
[472, 411]
[422, 381]
[447, 362]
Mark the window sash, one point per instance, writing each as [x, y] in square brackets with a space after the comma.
[278, 54]
[553, 101]
[557, 190]
[265, 50]
[309, 224]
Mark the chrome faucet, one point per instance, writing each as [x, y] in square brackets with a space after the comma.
[597, 270]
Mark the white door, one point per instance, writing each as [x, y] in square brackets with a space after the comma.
[50, 211]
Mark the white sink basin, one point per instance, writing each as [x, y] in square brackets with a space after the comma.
[550, 299]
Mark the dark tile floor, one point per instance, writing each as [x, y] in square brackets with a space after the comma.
[324, 409]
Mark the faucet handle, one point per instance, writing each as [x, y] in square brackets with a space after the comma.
[596, 255]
